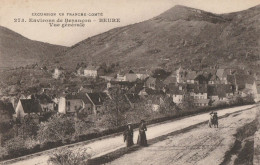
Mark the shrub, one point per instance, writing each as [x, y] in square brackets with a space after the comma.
[15, 146]
[68, 157]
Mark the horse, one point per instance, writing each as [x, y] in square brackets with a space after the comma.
[213, 121]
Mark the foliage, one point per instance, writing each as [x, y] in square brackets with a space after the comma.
[160, 73]
[58, 127]
[28, 128]
[15, 146]
[115, 107]
[68, 157]
[61, 127]
[167, 106]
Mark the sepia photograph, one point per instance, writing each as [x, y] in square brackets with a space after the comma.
[130, 82]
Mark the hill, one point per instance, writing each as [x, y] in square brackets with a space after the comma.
[180, 36]
[16, 50]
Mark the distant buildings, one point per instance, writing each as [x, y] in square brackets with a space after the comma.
[93, 71]
[58, 72]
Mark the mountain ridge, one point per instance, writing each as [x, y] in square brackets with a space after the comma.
[17, 50]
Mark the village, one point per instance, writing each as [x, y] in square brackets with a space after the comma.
[202, 88]
[110, 100]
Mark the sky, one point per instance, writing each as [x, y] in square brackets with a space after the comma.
[129, 12]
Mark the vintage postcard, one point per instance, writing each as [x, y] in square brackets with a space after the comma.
[127, 82]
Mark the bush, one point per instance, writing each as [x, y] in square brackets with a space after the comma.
[15, 146]
[68, 157]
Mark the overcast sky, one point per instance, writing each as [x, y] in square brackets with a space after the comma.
[129, 12]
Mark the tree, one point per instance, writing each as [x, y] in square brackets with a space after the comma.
[160, 73]
[28, 128]
[167, 106]
[58, 127]
[15, 146]
[115, 107]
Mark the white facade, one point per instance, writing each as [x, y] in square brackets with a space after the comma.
[90, 73]
[177, 99]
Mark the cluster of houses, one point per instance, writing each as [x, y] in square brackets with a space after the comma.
[202, 88]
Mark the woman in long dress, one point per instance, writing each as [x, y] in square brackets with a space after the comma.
[142, 141]
[128, 135]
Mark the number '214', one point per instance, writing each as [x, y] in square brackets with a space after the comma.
[19, 20]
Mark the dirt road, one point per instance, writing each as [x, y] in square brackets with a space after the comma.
[200, 146]
[109, 144]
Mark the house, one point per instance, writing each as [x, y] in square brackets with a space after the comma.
[148, 91]
[133, 99]
[93, 71]
[221, 74]
[125, 85]
[154, 83]
[180, 75]
[80, 71]
[201, 102]
[220, 92]
[131, 76]
[58, 72]
[108, 78]
[45, 101]
[197, 91]
[177, 92]
[214, 80]
[190, 77]
[28, 107]
[142, 75]
[120, 76]
[6, 112]
[75, 103]
[97, 99]
[256, 90]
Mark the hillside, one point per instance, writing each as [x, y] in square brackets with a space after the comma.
[16, 50]
[179, 36]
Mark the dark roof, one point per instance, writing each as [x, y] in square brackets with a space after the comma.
[133, 97]
[80, 96]
[175, 89]
[136, 88]
[31, 105]
[98, 98]
[152, 92]
[6, 107]
[197, 88]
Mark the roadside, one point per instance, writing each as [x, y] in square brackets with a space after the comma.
[105, 145]
[202, 145]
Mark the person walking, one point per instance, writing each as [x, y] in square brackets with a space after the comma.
[128, 135]
[142, 141]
